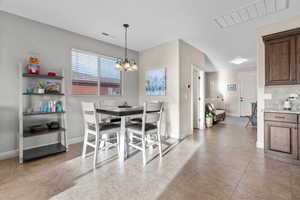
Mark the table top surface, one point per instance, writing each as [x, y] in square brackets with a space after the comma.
[116, 111]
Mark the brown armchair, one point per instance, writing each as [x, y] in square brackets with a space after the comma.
[218, 113]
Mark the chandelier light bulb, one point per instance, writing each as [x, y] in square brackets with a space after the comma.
[127, 65]
[118, 66]
[134, 67]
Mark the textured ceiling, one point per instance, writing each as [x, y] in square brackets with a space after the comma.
[156, 21]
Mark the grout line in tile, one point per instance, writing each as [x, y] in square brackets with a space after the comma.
[242, 176]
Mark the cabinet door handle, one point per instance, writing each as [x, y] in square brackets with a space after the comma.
[279, 117]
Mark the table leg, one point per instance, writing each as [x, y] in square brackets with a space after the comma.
[123, 142]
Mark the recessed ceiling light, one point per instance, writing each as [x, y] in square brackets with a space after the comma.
[238, 61]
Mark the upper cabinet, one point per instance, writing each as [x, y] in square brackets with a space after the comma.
[282, 51]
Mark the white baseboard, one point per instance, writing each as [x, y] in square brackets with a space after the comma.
[75, 140]
[259, 145]
[8, 154]
[14, 153]
[185, 134]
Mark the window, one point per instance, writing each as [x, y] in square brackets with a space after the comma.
[110, 78]
[94, 75]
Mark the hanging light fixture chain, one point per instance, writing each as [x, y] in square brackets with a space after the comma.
[126, 27]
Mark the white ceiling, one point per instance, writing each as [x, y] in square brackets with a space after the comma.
[156, 21]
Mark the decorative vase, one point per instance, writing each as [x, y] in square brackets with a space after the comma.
[41, 91]
[209, 122]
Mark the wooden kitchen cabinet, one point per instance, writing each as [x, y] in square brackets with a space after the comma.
[281, 139]
[282, 58]
[298, 58]
[281, 136]
[281, 62]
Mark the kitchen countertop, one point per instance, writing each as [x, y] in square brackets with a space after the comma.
[282, 111]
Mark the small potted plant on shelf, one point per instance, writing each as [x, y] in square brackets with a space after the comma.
[40, 87]
[209, 119]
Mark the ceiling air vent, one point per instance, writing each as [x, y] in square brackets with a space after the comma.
[251, 11]
[106, 36]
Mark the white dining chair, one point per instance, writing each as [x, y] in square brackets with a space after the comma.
[98, 132]
[147, 133]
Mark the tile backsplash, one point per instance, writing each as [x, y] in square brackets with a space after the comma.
[280, 94]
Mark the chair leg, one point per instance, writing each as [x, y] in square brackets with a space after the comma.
[149, 139]
[129, 139]
[102, 142]
[159, 145]
[84, 144]
[96, 151]
[144, 150]
[248, 122]
[118, 142]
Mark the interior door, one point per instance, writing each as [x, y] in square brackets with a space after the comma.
[196, 99]
[248, 92]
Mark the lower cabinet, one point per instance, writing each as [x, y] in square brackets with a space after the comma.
[281, 139]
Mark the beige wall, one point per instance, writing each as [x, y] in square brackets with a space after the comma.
[216, 85]
[178, 57]
[19, 37]
[163, 56]
[189, 57]
[284, 25]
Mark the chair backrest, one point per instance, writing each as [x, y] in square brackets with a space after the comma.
[90, 116]
[209, 108]
[218, 103]
[152, 113]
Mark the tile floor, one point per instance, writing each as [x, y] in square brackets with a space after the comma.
[220, 163]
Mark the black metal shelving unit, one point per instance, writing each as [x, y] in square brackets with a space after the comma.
[37, 151]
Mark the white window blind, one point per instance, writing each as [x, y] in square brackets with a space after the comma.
[110, 78]
[93, 75]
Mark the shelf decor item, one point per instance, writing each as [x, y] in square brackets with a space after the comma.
[51, 74]
[53, 125]
[29, 90]
[40, 87]
[209, 120]
[52, 87]
[33, 66]
[37, 128]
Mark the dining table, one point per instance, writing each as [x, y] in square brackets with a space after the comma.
[122, 112]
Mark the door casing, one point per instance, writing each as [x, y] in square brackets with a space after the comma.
[243, 110]
[201, 105]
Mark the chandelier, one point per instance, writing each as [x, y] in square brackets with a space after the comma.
[126, 64]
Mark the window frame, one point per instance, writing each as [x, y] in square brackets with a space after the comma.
[99, 56]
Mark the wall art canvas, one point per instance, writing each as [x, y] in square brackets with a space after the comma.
[156, 82]
[231, 87]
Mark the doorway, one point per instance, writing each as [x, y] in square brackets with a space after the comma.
[248, 95]
[198, 98]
